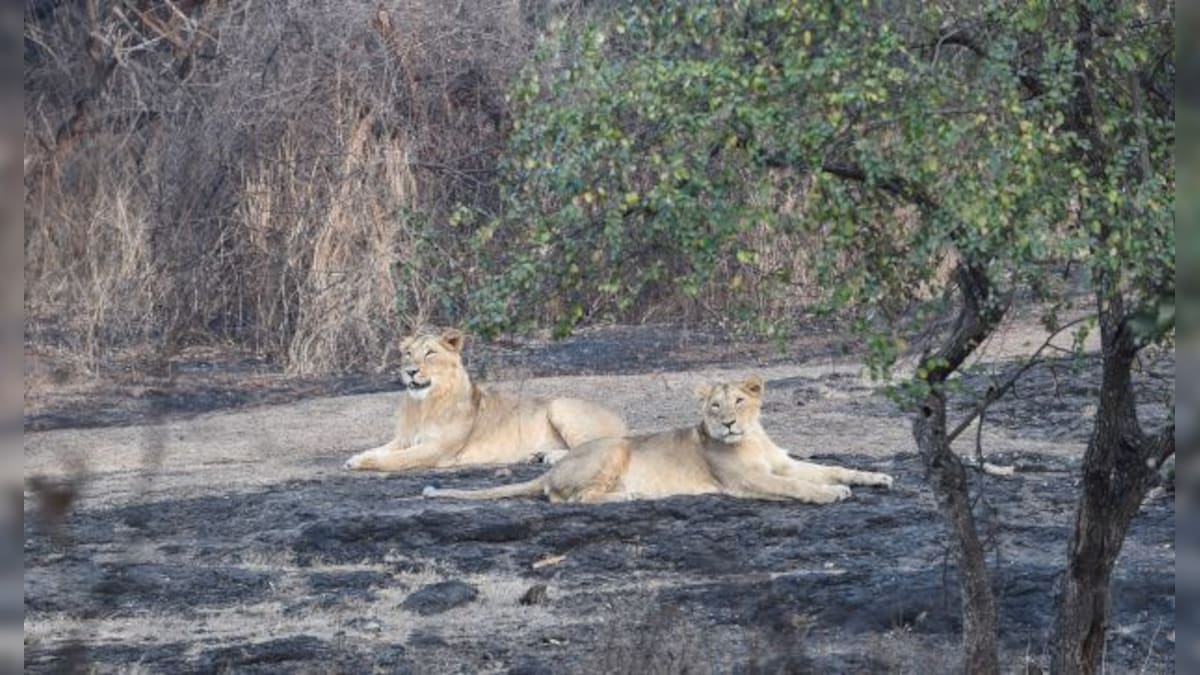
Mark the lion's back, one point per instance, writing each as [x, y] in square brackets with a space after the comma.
[667, 463]
[507, 428]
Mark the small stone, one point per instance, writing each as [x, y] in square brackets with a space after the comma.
[536, 595]
[439, 597]
[426, 638]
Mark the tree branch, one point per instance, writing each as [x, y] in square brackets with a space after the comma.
[1164, 446]
[980, 315]
[996, 393]
[981, 312]
[895, 185]
[961, 37]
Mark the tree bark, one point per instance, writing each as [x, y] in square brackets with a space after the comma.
[980, 314]
[1120, 466]
[947, 477]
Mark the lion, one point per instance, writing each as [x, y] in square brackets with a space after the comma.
[446, 420]
[727, 453]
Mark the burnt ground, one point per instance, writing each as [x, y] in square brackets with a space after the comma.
[690, 581]
[246, 551]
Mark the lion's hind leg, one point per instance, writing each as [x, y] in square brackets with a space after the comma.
[578, 422]
[590, 473]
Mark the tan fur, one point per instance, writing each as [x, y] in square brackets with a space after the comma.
[727, 453]
[445, 420]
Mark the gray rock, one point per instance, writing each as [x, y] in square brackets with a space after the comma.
[439, 597]
[536, 595]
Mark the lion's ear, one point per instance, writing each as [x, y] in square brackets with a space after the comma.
[703, 391]
[453, 339]
[754, 386]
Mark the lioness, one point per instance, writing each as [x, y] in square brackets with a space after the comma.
[727, 453]
[446, 420]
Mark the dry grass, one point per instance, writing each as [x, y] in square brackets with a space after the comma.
[273, 174]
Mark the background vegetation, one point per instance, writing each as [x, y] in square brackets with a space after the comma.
[277, 176]
[309, 183]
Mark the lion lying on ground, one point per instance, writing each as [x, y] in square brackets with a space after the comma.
[446, 420]
[727, 453]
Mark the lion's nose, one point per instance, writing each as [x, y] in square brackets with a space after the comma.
[730, 423]
[412, 372]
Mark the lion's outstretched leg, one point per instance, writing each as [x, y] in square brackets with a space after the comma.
[819, 473]
[762, 485]
[388, 458]
[360, 461]
[578, 422]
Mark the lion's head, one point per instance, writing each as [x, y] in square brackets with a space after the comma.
[432, 362]
[730, 409]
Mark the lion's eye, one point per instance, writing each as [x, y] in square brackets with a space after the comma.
[739, 401]
[715, 405]
[429, 354]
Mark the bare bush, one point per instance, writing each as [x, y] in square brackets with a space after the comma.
[277, 175]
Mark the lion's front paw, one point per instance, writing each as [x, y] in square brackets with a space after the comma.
[881, 480]
[833, 493]
[363, 461]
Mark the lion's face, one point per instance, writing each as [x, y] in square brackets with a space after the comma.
[730, 409]
[431, 361]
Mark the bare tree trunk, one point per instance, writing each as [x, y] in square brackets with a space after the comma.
[978, 317]
[1114, 471]
[948, 479]
[1119, 467]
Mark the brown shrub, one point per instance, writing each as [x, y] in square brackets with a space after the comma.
[272, 174]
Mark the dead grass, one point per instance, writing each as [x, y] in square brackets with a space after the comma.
[272, 175]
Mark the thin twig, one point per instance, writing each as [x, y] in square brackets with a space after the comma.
[979, 436]
[996, 393]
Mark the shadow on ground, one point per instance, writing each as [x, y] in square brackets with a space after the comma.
[696, 584]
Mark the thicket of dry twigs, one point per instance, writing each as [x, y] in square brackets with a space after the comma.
[273, 175]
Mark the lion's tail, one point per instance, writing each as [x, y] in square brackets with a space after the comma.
[531, 488]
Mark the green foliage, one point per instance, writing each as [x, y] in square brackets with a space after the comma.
[648, 145]
[1125, 172]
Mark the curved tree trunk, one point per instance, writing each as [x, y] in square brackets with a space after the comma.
[978, 317]
[1119, 467]
[948, 479]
